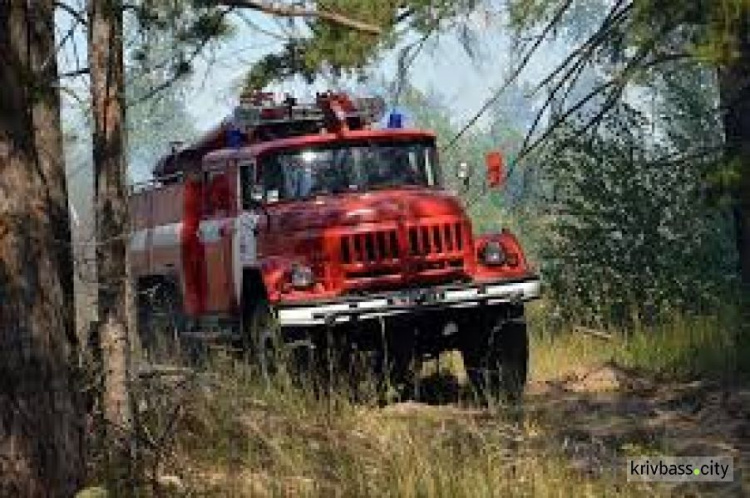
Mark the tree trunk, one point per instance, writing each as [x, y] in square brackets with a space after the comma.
[734, 87]
[111, 211]
[41, 430]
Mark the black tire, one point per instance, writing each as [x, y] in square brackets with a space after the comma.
[261, 335]
[398, 362]
[266, 348]
[496, 358]
[161, 321]
[402, 376]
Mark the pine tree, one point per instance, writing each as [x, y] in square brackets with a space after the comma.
[41, 434]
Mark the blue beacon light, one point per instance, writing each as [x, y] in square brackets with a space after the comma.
[395, 120]
[234, 138]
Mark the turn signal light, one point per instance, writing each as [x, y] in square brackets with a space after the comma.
[302, 277]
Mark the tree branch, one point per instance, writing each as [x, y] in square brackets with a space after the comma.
[576, 62]
[618, 84]
[281, 10]
[78, 16]
[583, 53]
[168, 83]
[76, 72]
[171, 81]
[264, 31]
[514, 75]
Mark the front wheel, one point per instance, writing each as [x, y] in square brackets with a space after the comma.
[496, 357]
[261, 335]
[265, 346]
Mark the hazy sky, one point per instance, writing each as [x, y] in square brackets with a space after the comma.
[442, 66]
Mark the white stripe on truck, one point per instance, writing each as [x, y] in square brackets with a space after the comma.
[169, 235]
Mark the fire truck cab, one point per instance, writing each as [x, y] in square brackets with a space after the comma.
[296, 226]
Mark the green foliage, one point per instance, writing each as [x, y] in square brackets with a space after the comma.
[155, 89]
[709, 29]
[190, 21]
[633, 235]
[339, 50]
[284, 64]
[637, 224]
[630, 43]
[182, 29]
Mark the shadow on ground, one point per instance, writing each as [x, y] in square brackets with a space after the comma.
[599, 417]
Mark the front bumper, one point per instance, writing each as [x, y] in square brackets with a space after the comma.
[407, 301]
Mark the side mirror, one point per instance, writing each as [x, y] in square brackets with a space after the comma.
[495, 169]
[256, 202]
[463, 173]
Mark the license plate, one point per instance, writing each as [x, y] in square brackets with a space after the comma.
[416, 297]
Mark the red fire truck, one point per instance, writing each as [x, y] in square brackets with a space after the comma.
[299, 226]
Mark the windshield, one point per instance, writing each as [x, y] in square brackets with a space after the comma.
[329, 169]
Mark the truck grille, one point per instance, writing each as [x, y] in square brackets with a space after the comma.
[444, 238]
[371, 247]
[389, 257]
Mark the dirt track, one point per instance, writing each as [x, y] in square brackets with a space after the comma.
[601, 415]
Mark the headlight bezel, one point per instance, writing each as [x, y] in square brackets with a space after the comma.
[301, 277]
[493, 254]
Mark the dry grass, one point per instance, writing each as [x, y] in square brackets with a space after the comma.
[225, 433]
[241, 440]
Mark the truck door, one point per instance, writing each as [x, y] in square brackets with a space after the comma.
[217, 235]
[246, 225]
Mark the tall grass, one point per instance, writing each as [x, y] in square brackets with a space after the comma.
[711, 346]
[226, 432]
[238, 437]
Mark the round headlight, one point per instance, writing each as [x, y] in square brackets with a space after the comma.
[302, 277]
[493, 254]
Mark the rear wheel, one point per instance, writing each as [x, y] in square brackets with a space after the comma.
[160, 321]
[496, 359]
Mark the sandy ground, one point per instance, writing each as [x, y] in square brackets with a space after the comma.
[610, 412]
[601, 415]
